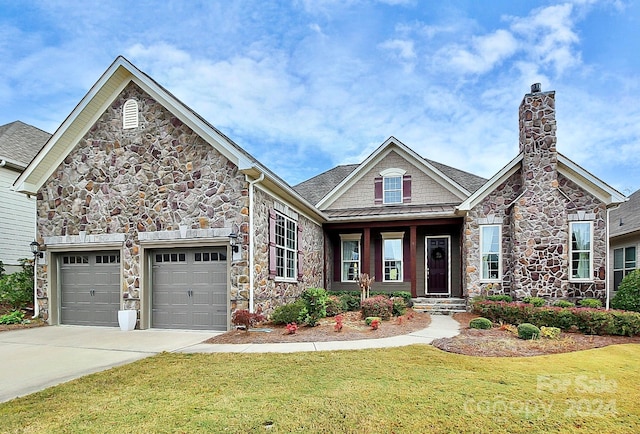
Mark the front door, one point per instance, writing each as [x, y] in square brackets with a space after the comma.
[438, 267]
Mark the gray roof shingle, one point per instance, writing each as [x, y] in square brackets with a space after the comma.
[626, 218]
[20, 142]
[319, 186]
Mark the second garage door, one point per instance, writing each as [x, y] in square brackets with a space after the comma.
[189, 289]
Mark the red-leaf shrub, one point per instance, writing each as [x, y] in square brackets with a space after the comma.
[243, 317]
[378, 305]
[292, 328]
[375, 324]
[338, 326]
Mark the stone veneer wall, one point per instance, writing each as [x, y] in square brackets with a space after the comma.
[535, 228]
[270, 293]
[156, 177]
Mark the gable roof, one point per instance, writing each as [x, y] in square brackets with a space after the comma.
[566, 167]
[626, 218]
[100, 97]
[328, 186]
[20, 142]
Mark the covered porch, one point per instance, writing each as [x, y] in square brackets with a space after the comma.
[420, 256]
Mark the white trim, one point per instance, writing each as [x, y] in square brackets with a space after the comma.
[389, 145]
[252, 272]
[589, 182]
[491, 184]
[570, 249]
[500, 259]
[393, 236]
[395, 190]
[130, 114]
[393, 172]
[426, 264]
[350, 237]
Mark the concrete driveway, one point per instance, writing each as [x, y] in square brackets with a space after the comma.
[34, 359]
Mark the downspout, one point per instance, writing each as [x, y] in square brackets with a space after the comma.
[251, 239]
[2, 163]
[606, 280]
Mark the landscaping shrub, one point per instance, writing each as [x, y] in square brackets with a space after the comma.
[378, 306]
[242, 317]
[563, 303]
[500, 297]
[335, 305]
[351, 301]
[289, 313]
[315, 300]
[368, 320]
[585, 320]
[536, 301]
[406, 296]
[480, 323]
[628, 295]
[15, 317]
[590, 302]
[550, 332]
[16, 290]
[528, 331]
[399, 306]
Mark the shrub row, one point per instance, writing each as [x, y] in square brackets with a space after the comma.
[585, 320]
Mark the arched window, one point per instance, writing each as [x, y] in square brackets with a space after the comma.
[130, 114]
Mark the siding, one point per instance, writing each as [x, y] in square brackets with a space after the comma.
[424, 189]
[17, 220]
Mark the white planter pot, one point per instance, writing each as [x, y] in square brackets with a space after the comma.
[127, 319]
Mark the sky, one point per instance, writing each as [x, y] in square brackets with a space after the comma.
[305, 85]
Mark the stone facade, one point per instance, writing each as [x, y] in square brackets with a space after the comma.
[535, 207]
[159, 177]
[269, 292]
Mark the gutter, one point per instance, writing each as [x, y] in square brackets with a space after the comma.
[251, 238]
[608, 260]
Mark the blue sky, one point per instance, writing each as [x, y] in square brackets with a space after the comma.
[306, 85]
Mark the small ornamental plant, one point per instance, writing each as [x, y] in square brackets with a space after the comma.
[480, 323]
[375, 324]
[410, 316]
[243, 317]
[550, 332]
[400, 320]
[292, 328]
[338, 326]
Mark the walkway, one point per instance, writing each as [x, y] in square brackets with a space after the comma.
[441, 326]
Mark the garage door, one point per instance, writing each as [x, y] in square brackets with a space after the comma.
[90, 288]
[189, 289]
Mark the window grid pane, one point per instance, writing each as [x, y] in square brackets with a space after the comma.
[490, 252]
[286, 246]
[350, 260]
[392, 260]
[392, 189]
[581, 250]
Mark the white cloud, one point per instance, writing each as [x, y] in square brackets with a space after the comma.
[484, 54]
[403, 48]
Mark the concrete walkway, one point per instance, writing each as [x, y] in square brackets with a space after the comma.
[34, 359]
[442, 326]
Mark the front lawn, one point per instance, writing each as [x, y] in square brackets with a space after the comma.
[409, 389]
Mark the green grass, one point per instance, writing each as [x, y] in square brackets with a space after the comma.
[410, 389]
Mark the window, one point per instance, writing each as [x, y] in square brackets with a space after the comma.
[285, 246]
[491, 252]
[130, 114]
[392, 256]
[624, 262]
[392, 189]
[350, 257]
[393, 186]
[580, 250]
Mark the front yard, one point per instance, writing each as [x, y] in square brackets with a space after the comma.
[411, 389]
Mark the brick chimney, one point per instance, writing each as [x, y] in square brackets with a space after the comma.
[538, 138]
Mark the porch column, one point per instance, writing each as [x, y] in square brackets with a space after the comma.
[366, 252]
[413, 247]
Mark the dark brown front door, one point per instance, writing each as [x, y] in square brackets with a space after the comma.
[437, 265]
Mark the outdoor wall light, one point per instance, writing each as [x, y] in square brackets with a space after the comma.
[233, 240]
[35, 249]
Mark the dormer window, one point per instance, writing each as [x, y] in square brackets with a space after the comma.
[130, 114]
[393, 187]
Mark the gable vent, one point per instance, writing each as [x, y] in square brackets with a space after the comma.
[130, 114]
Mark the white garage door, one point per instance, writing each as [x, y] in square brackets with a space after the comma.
[189, 289]
[90, 288]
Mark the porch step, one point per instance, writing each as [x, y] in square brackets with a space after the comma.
[443, 306]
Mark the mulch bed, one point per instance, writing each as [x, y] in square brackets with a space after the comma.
[353, 328]
[502, 343]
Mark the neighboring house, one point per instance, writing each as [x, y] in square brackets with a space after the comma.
[624, 236]
[19, 143]
[142, 204]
